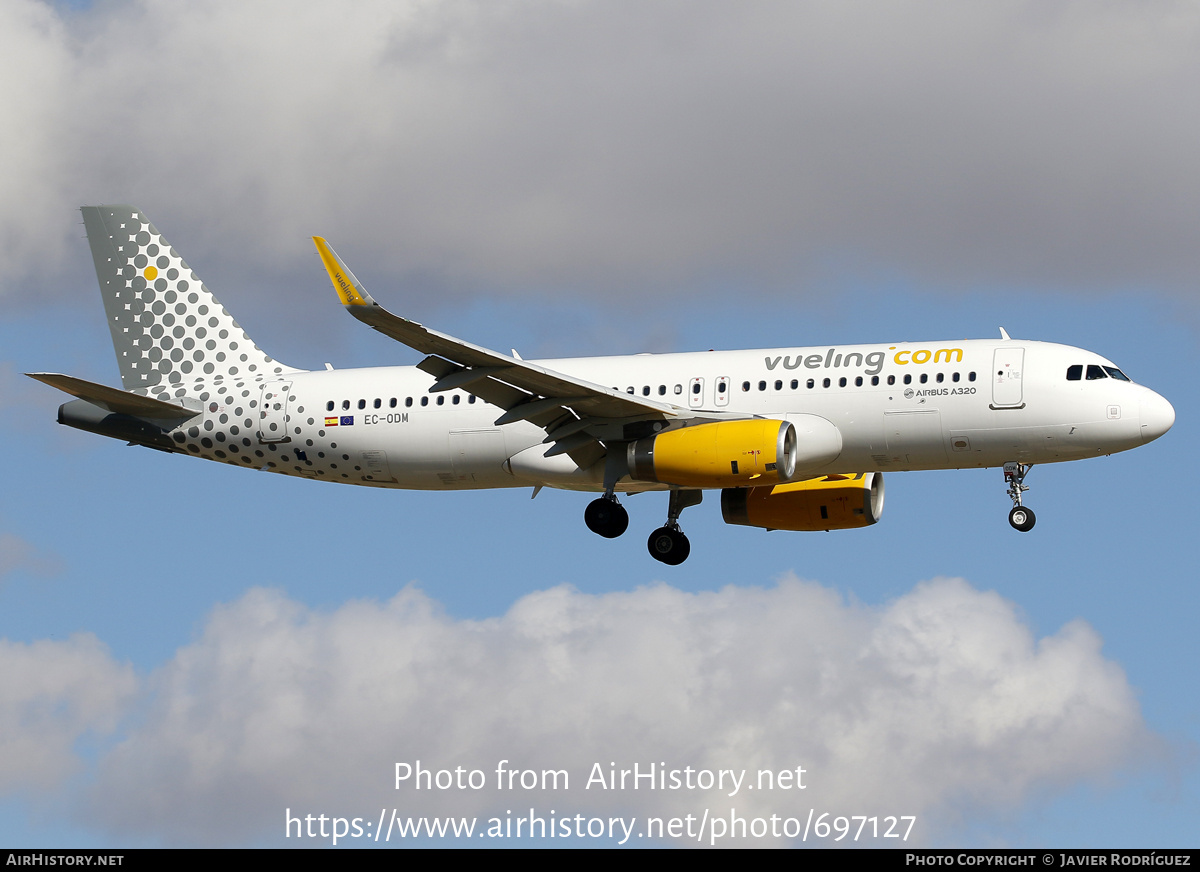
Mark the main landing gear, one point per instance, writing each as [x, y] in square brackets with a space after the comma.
[605, 516]
[1020, 517]
[608, 518]
[667, 544]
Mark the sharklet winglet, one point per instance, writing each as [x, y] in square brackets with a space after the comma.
[349, 289]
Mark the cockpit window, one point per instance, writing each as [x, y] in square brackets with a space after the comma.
[1095, 372]
[1116, 373]
[1075, 373]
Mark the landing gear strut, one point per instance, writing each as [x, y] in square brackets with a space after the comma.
[667, 544]
[1020, 517]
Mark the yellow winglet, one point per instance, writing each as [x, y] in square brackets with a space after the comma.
[347, 286]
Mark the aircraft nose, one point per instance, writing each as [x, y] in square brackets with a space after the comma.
[1157, 416]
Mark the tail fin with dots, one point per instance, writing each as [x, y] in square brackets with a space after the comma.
[168, 330]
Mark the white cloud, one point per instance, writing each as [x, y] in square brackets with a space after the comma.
[616, 145]
[52, 694]
[941, 704]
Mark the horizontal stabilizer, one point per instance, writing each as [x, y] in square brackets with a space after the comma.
[114, 399]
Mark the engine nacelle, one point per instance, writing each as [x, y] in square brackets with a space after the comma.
[832, 502]
[721, 454]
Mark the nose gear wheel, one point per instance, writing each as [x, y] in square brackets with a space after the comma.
[1022, 518]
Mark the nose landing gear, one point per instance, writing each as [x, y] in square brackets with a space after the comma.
[667, 544]
[1021, 518]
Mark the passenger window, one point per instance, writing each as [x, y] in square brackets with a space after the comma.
[646, 390]
[629, 390]
[971, 377]
[954, 377]
[662, 390]
[345, 405]
[762, 385]
[825, 383]
[745, 386]
[795, 383]
[891, 379]
[457, 399]
[424, 401]
[696, 388]
[678, 390]
[908, 378]
[778, 384]
[362, 404]
[1094, 372]
[1075, 373]
[858, 382]
[471, 398]
[441, 399]
[392, 403]
[924, 377]
[941, 377]
[378, 403]
[811, 384]
[329, 406]
[407, 401]
[874, 380]
[842, 382]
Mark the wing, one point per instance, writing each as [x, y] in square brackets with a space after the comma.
[574, 412]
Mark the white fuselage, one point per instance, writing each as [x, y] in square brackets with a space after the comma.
[935, 405]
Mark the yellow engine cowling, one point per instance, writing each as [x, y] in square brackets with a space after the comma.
[832, 502]
[721, 454]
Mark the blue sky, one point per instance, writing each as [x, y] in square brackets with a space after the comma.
[549, 243]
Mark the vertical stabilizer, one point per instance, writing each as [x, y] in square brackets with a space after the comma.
[168, 329]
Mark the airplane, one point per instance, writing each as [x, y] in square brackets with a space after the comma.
[793, 438]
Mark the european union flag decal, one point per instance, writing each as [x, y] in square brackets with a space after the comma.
[347, 420]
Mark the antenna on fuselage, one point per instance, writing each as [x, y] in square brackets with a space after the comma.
[1004, 334]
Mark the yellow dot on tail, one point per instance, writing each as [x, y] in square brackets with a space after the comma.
[151, 273]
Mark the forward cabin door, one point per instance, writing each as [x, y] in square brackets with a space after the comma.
[1007, 364]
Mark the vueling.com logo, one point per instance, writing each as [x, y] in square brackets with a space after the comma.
[873, 361]
[922, 355]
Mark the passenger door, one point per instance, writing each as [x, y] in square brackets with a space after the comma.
[1007, 364]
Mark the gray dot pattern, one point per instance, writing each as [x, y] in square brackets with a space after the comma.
[174, 339]
[171, 335]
